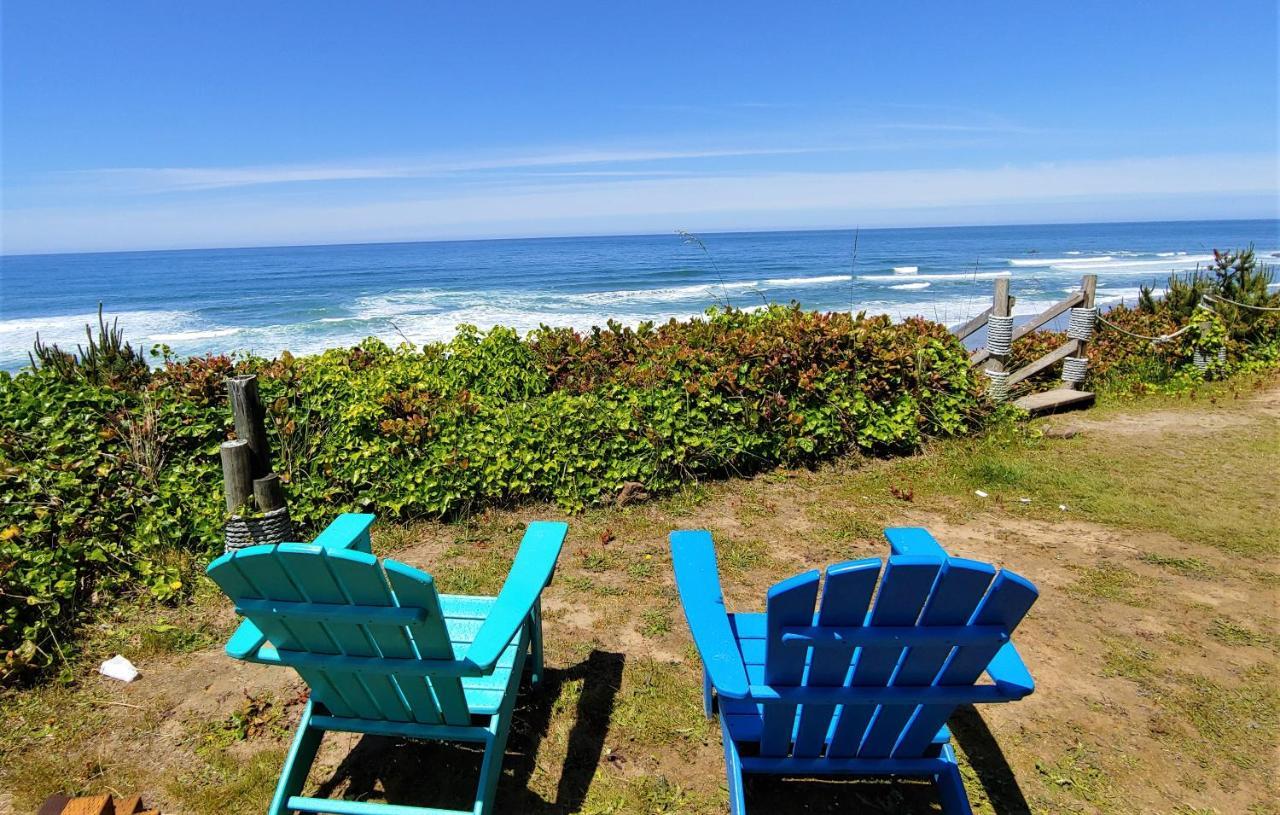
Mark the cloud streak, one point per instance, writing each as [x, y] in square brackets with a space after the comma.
[1232, 185]
[194, 179]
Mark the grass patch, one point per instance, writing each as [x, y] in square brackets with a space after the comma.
[1123, 480]
[1231, 633]
[1079, 774]
[655, 622]
[1186, 566]
[736, 556]
[659, 704]
[1107, 581]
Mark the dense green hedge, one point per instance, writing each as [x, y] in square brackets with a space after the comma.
[111, 480]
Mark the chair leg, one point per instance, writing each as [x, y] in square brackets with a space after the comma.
[951, 793]
[708, 703]
[733, 771]
[298, 763]
[535, 643]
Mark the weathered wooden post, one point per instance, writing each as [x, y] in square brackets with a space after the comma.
[1080, 328]
[237, 477]
[999, 341]
[250, 420]
[247, 474]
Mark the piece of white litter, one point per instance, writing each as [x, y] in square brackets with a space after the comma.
[980, 493]
[1062, 507]
[1024, 500]
[119, 668]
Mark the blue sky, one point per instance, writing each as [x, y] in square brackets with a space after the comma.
[134, 125]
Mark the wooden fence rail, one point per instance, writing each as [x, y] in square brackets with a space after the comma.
[1072, 353]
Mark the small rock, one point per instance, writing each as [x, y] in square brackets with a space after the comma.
[1062, 507]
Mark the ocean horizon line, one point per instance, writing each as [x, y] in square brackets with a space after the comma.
[640, 235]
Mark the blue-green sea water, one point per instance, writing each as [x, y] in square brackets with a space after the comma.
[309, 298]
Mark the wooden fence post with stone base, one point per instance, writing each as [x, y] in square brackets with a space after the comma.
[248, 481]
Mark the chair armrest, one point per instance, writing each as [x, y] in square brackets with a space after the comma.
[913, 540]
[246, 641]
[1010, 673]
[693, 557]
[347, 531]
[530, 573]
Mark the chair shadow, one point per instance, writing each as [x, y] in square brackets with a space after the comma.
[897, 795]
[988, 762]
[445, 775]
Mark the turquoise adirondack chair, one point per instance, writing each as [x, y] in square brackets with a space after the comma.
[383, 653]
[847, 690]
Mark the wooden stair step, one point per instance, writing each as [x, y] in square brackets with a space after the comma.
[1055, 400]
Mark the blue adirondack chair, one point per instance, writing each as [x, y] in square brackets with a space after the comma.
[852, 690]
[383, 653]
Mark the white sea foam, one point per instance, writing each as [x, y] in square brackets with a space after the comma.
[819, 280]
[192, 336]
[1183, 263]
[936, 276]
[141, 328]
[912, 286]
[1056, 261]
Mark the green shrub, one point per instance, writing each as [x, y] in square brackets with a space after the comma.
[109, 488]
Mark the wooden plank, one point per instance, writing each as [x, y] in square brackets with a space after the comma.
[1047, 361]
[973, 325]
[92, 805]
[1054, 400]
[53, 805]
[129, 806]
[1026, 328]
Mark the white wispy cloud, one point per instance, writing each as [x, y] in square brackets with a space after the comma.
[1232, 185]
[141, 180]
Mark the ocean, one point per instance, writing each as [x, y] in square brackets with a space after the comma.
[308, 298]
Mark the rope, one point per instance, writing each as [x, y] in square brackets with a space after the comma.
[998, 387]
[1082, 322]
[1073, 369]
[1218, 298]
[1162, 338]
[272, 527]
[999, 335]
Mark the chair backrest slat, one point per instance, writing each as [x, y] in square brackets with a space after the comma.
[904, 588]
[846, 594]
[256, 573]
[431, 642]
[372, 696]
[960, 588]
[356, 609]
[1005, 604]
[789, 603]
